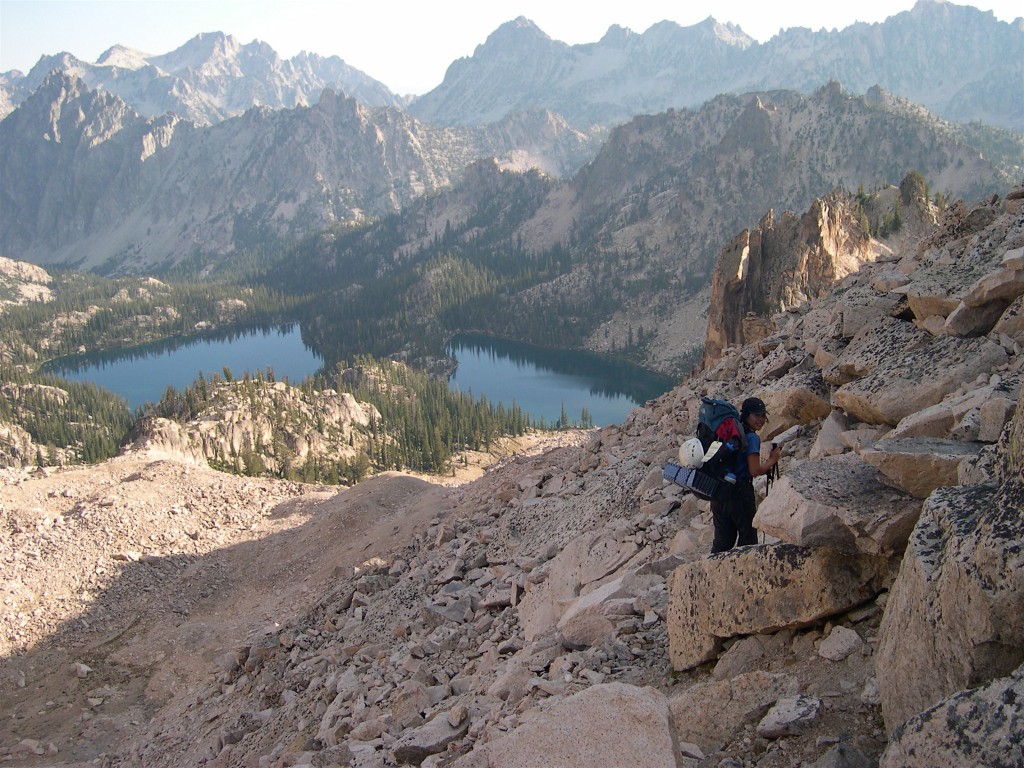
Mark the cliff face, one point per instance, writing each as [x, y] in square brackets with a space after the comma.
[781, 264]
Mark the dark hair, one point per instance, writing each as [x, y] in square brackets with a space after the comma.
[751, 406]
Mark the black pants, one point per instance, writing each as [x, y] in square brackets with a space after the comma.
[733, 516]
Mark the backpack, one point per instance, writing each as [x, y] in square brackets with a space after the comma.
[718, 421]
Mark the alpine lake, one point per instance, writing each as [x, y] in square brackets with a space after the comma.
[548, 384]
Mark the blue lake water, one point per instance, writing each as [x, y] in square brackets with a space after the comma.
[142, 374]
[541, 380]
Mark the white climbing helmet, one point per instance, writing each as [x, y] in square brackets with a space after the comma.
[691, 453]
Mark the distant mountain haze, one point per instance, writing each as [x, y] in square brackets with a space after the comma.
[210, 78]
[957, 61]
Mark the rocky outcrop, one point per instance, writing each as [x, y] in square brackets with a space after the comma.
[782, 264]
[21, 282]
[954, 620]
[257, 427]
[16, 447]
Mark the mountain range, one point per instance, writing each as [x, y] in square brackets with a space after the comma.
[642, 223]
[208, 79]
[88, 182]
[957, 61]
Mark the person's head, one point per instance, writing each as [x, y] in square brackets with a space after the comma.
[754, 413]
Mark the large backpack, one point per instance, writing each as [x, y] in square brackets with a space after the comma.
[718, 421]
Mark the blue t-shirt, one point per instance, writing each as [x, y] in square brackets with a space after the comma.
[753, 447]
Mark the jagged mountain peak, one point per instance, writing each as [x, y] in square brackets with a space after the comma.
[63, 87]
[668, 33]
[65, 111]
[63, 61]
[520, 23]
[727, 32]
[617, 36]
[200, 49]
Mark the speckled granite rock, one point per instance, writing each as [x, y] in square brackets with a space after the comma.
[954, 616]
[919, 465]
[874, 345]
[909, 381]
[838, 502]
[980, 726]
[711, 599]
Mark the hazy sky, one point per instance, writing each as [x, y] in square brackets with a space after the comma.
[406, 44]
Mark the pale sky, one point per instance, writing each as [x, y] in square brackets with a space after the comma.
[405, 44]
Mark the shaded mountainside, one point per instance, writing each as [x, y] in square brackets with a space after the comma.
[958, 61]
[89, 183]
[208, 79]
[562, 609]
[618, 259]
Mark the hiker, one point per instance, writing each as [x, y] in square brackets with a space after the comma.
[733, 515]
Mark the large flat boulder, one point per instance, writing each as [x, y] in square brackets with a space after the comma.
[759, 589]
[612, 598]
[415, 745]
[586, 559]
[939, 420]
[1003, 285]
[909, 381]
[605, 726]
[919, 465]
[954, 618]
[858, 307]
[838, 502]
[966, 320]
[980, 726]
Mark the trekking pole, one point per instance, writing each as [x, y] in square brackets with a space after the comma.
[773, 473]
[776, 471]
